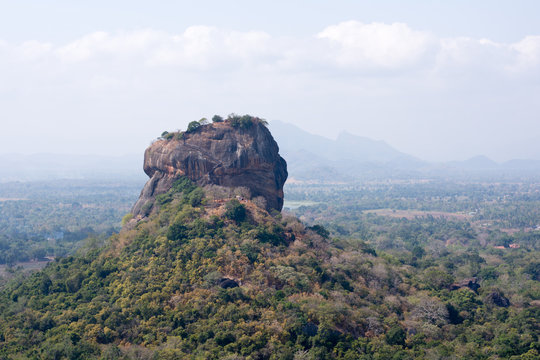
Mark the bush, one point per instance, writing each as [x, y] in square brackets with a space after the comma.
[127, 218]
[195, 197]
[395, 336]
[274, 235]
[235, 211]
[244, 121]
[192, 126]
[177, 232]
[319, 229]
[184, 185]
[217, 118]
[167, 135]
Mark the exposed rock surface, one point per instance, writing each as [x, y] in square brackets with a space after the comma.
[497, 298]
[227, 283]
[217, 154]
[471, 283]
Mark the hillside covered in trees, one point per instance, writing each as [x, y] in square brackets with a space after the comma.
[209, 276]
[208, 271]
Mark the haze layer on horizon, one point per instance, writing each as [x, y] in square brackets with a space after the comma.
[438, 81]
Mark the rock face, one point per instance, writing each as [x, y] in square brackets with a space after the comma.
[217, 154]
[497, 298]
[471, 283]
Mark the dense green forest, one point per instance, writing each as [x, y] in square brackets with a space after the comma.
[378, 271]
[51, 218]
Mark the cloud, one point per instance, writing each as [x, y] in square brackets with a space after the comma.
[374, 79]
[198, 47]
[376, 45]
[528, 52]
[348, 46]
[207, 47]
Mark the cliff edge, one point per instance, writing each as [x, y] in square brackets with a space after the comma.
[239, 151]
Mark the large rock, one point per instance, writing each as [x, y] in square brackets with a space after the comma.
[217, 154]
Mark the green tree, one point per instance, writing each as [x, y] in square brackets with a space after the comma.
[177, 232]
[192, 126]
[234, 210]
[395, 336]
[217, 118]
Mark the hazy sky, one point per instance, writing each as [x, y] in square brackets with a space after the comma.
[440, 80]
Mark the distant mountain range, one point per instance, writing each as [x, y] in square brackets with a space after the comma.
[351, 157]
[347, 147]
[309, 157]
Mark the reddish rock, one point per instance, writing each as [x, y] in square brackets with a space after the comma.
[217, 154]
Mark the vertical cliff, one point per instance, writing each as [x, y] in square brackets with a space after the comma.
[227, 153]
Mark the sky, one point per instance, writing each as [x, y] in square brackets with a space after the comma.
[440, 80]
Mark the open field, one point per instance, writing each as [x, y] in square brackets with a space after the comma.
[295, 204]
[411, 214]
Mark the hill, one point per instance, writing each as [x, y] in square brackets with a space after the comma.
[209, 273]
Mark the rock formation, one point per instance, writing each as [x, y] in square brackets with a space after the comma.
[497, 298]
[471, 283]
[221, 153]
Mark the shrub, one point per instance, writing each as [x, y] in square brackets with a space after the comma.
[234, 210]
[167, 135]
[192, 126]
[195, 197]
[244, 121]
[127, 218]
[177, 232]
[319, 229]
[184, 185]
[395, 336]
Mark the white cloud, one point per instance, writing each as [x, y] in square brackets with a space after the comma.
[347, 46]
[33, 50]
[376, 44]
[388, 78]
[528, 51]
[102, 44]
[205, 47]
[200, 47]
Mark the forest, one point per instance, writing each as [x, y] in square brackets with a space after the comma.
[51, 218]
[379, 270]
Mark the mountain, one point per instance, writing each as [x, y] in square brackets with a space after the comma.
[222, 153]
[349, 157]
[209, 273]
[292, 139]
[483, 166]
[522, 164]
[312, 158]
[476, 163]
